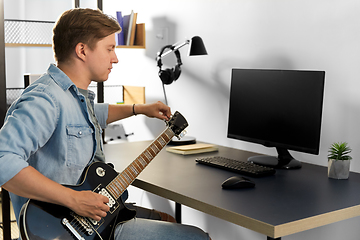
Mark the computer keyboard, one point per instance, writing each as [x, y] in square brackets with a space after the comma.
[245, 168]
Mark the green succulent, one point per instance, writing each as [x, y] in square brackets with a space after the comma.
[339, 151]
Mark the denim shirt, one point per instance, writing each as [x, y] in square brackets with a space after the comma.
[49, 128]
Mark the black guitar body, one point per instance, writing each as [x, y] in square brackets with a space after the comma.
[45, 221]
[40, 220]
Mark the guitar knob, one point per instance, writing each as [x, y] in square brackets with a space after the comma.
[100, 172]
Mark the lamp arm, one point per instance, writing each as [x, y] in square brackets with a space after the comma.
[181, 45]
[175, 48]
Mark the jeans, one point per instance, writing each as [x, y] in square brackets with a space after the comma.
[146, 226]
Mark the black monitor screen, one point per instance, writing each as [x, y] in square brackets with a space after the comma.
[277, 108]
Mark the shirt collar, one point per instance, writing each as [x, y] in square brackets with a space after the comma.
[87, 93]
[60, 77]
[64, 81]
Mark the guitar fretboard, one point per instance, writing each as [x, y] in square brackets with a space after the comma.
[119, 184]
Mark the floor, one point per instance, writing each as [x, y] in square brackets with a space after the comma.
[14, 227]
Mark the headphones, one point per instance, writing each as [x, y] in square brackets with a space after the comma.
[168, 75]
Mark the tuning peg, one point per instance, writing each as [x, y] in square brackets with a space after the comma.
[182, 134]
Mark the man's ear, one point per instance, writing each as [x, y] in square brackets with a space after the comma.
[80, 50]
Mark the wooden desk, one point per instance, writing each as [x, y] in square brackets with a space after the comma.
[288, 202]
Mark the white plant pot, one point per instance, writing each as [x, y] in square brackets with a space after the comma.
[338, 169]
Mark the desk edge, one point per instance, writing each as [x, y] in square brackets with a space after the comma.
[316, 221]
[224, 214]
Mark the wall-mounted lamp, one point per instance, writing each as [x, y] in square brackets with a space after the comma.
[197, 47]
[169, 75]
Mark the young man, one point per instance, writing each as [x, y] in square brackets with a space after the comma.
[53, 131]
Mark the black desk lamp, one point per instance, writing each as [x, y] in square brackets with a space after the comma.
[169, 75]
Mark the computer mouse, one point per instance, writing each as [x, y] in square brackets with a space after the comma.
[237, 182]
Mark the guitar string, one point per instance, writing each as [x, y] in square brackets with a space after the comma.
[77, 226]
[129, 174]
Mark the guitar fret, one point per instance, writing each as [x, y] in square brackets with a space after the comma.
[123, 182]
[121, 189]
[131, 170]
[145, 159]
[115, 187]
[137, 166]
[134, 170]
[162, 141]
[142, 161]
[153, 155]
[154, 148]
[151, 152]
[113, 190]
[133, 174]
[155, 144]
[168, 138]
[130, 174]
[137, 162]
[126, 178]
[110, 188]
[148, 156]
[170, 133]
[119, 186]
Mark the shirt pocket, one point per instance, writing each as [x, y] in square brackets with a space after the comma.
[80, 145]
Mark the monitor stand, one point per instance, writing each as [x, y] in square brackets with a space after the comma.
[283, 161]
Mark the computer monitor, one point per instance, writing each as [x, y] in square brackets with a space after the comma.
[277, 108]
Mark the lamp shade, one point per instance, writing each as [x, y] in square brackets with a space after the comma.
[197, 47]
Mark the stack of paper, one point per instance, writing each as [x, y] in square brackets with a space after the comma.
[193, 148]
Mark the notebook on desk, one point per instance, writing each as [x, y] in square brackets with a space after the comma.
[192, 148]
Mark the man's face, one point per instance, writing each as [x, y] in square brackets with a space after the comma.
[101, 59]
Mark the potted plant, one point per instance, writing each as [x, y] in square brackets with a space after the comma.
[339, 160]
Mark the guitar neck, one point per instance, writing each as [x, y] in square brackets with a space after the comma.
[119, 184]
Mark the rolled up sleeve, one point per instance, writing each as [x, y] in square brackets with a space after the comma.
[24, 132]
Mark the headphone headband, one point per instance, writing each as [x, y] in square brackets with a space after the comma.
[171, 47]
[167, 76]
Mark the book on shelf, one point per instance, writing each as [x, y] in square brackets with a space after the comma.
[193, 148]
[126, 22]
[140, 34]
[120, 40]
[133, 30]
[132, 34]
[129, 22]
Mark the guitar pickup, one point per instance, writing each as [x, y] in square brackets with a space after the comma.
[113, 204]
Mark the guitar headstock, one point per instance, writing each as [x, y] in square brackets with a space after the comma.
[177, 124]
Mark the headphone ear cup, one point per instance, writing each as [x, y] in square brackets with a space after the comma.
[166, 76]
[177, 72]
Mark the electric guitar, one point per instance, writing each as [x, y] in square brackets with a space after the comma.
[45, 221]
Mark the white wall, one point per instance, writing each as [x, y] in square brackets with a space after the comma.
[297, 34]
